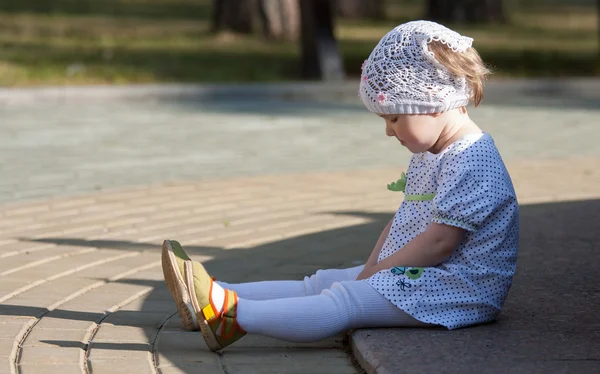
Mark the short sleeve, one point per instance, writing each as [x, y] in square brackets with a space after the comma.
[461, 201]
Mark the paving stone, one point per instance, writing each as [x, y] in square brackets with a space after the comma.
[12, 264]
[6, 347]
[181, 341]
[125, 365]
[186, 356]
[69, 265]
[5, 365]
[174, 324]
[124, 334]
[290, 369]
[50, 355]
[48, 293]
[120, 287]
[144, 305]
[94, 303]
[10, 330]
[118, 351]
[9, 285]
[40, 337]
[252, 341]
[136, 318]
[62, 319]
[251, 360]
[49, 368]
[120, 265]
[191, 367]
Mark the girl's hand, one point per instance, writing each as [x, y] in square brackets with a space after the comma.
[429, 248]
[367, 272]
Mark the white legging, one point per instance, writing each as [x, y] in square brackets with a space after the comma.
[320, 306]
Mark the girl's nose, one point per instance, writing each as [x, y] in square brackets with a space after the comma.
[389, 131]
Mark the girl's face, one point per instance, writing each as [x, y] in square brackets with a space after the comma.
[417, 132]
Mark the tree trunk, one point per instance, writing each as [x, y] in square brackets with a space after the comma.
[233, 15]
[466, 11]
[372, 9]
[280, 18]
[320, 56]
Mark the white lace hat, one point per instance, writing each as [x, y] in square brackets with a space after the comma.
[402, 76]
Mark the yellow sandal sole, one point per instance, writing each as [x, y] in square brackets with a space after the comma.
[177, 287]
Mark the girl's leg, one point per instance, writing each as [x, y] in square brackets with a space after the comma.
[223, 318]
[346, 305]
[310, 286]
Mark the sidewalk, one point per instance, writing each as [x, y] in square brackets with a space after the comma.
[267, 190]
[81, 285]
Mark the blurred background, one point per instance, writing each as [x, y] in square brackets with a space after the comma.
[55, 42]
[267, 181]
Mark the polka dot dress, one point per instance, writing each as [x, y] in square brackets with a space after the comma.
[473, 191]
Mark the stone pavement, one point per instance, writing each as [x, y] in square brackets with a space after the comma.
[267, 189]
[82, 286]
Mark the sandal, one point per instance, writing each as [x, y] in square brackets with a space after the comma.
[192, 288]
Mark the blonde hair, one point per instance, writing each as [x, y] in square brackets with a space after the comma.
[467, 64]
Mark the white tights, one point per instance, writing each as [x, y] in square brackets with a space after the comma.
[320, 306]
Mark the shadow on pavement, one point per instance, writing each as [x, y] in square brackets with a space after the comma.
[110, 346]
[333, 248]
[550, 314]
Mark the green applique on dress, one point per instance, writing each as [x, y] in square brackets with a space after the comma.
[411, 273]
[400, 186]
[414, 273]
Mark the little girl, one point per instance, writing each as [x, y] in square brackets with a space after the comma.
[446, 258]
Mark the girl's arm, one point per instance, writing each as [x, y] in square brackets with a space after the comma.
[372, 261]
[429, 248]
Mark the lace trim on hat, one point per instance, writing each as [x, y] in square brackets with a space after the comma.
[456, 42]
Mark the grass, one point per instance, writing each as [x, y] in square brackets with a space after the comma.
[133, 41]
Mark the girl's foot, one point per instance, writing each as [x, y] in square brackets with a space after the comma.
[201, 302]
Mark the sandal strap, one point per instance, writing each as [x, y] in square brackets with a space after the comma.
[224, 323]
[207, 312]
[226, 326]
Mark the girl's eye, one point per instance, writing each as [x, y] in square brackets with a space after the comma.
[394, 120]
